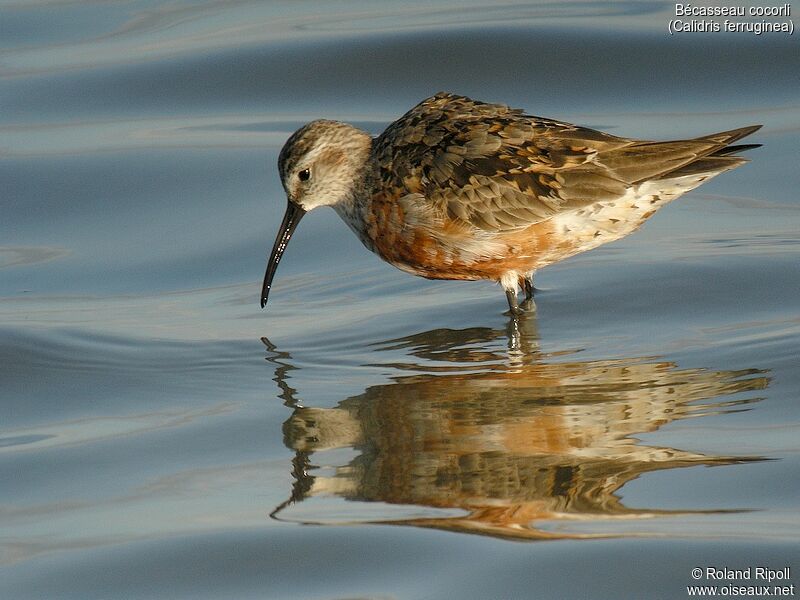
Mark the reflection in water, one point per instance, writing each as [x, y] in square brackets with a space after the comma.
[504, 432]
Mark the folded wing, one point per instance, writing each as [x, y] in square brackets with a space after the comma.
[498, 169]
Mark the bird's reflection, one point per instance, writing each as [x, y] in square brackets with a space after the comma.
[482, 421]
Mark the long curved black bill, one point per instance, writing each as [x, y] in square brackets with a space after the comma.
[290, 220]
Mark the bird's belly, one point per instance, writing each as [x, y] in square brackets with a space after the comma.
[451, 251]
[601, 223]
[443, 254]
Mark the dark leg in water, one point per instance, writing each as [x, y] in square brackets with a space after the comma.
[513, 305]
[527, 285]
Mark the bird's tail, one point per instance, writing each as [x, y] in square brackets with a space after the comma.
[722, 158]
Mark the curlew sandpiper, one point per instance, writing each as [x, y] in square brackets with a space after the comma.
[460, 189]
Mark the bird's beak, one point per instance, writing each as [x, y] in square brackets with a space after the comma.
[290, 220]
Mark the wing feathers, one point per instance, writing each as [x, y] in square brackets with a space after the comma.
[499, 169]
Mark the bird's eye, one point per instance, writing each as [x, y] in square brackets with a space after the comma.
[304, 175]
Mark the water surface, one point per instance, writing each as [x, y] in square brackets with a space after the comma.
[372, 434]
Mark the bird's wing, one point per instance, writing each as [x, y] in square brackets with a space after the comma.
[499, 169]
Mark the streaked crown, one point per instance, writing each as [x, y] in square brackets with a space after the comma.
[322, 163]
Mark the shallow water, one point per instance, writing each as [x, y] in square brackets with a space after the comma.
[372, 434]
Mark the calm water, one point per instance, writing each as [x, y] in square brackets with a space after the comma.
[371, 434]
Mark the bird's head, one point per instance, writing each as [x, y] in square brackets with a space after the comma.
[320, 165]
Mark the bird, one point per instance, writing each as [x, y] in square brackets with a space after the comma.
[467, 190]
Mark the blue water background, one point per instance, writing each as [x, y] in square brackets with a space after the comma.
[415, 442]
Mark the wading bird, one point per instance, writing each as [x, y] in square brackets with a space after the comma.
[460, 189]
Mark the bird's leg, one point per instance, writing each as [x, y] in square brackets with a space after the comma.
[527, 285]
[510, 283]
[513, 305]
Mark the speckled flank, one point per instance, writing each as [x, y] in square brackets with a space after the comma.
[459, 189]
